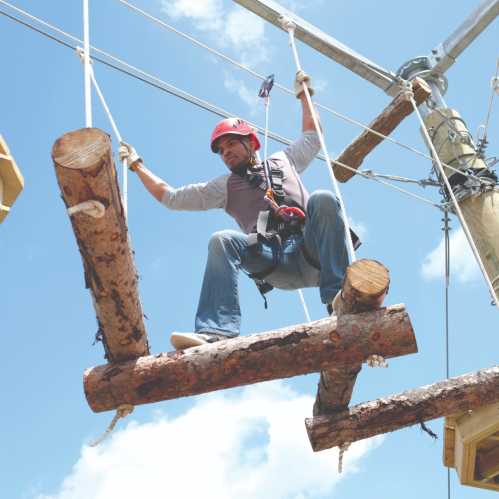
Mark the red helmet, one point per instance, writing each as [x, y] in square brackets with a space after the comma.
[233, 126]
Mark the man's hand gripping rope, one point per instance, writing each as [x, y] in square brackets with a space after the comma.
[129, 155]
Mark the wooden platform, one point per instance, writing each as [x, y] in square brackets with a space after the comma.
[471, 445]
[11, 179]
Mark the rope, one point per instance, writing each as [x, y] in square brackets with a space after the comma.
[343, 448]
[170, 89]
[284, 89]
[86, 66]
[482, 141]
[289, 26]
[117, 133]
[121, 412]
[455, 204]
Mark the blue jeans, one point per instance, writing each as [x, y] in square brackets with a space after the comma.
[228, 253]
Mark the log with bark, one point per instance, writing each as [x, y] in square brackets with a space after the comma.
[287, 352]
[385, 123]
[87, 178]
[454, 395]
[365, 286]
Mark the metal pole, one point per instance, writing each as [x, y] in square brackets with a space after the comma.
[86, 64]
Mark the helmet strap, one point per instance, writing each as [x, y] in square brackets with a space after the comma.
[252, 161]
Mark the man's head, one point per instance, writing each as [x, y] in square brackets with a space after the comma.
[235, 141]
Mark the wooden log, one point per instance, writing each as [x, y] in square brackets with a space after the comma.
[462, 393]
[385, 123]
[364, 288]
[85, 172]
[286, 352]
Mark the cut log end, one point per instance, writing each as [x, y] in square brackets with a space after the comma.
[365, 287]
[81, 149]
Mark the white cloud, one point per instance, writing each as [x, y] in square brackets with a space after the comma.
[248, 445]
[247, 95]
[205, 14]
[463, 264]
[237, 31]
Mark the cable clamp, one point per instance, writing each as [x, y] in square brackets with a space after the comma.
[81, 54]
[92, 208]
[287, 24]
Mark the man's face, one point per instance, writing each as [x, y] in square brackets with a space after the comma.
[233, 151]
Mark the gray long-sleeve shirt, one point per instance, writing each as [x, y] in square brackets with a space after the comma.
[214, 194]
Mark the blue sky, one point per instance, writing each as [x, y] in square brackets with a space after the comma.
[243, 442]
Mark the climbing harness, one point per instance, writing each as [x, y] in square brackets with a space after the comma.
[283, 218]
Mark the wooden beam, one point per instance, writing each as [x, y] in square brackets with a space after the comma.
[387, 414]
[365, 286]
[385, 123]
[85, 172]
[287, 352]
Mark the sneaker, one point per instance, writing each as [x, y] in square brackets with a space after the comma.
[181, 341]
[335, 305]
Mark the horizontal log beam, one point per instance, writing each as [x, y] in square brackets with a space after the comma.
[287, 352]
[385, 123]
[454, 395]
[86, 174]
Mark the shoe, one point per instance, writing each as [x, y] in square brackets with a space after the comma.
[334, 307]
[181, 341]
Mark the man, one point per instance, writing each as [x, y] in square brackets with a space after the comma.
[287, 253]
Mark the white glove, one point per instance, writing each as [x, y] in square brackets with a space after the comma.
[302, 77]
[128, 154]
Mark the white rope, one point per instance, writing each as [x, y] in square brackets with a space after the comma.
[92, 208]
[149, 79]
[86, 66]
[290, 28]
[455, 204]
[115, 130]
[184, 95]
[121, 412]
[242, 66]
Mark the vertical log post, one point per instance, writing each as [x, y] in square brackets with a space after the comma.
[87, 178]
[364, 289]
